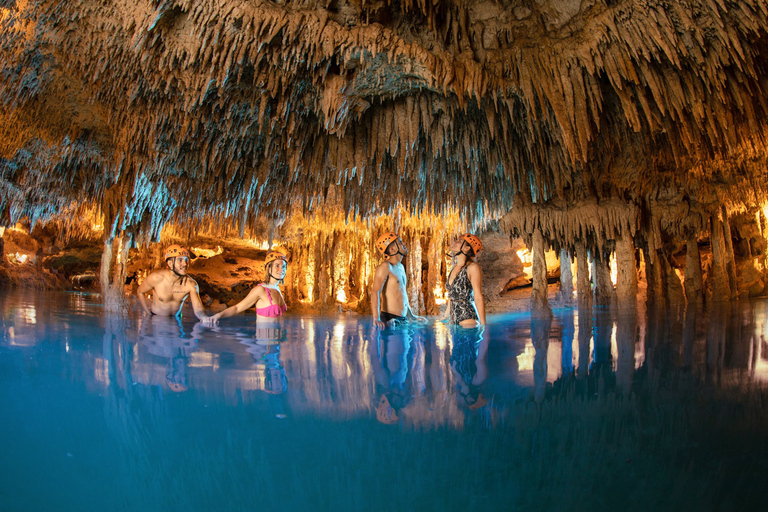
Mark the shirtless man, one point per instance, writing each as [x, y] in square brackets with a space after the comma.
[392, 305]
[171, 286]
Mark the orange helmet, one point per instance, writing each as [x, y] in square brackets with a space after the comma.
[176, 250]
[384, 241]
[473, 242]
[385, 413]
[177, 387]
[274, 256]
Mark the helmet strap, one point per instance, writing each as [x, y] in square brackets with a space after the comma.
[269, 273]
[173, 269]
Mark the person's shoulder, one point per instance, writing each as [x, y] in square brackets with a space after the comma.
[473, 267]
[259, 289]
[157, 275]
[191, 282]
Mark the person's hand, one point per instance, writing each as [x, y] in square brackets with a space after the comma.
[379, 324]
[211, 320]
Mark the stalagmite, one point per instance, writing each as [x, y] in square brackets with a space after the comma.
[673, 291]
[539, 300]
[719, 287]
[693, 281]
[601, 274]
[565, 295]
[105, 270]
[583, 287]
[113, 271]
[415, 296]
[655, 278]
[730, 263]
[626, 280]
[434, 276]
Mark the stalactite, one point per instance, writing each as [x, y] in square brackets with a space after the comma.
[653, 269]
[693, 280]
[539, 301]
[228, 107]
[626, 280]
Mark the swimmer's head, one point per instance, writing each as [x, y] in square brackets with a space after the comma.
[390, 244]
[275, 381]
[276, 265]
[466, 244]
[177, 259]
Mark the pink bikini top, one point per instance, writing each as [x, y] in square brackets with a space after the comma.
[273, 310]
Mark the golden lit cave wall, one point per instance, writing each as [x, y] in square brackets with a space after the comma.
[333, 260]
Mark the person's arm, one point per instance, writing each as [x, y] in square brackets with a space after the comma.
[476, 278]
[146, 286]
[410, 314]
[379, 278]
[197, 304]
[253, 296]
[447, 312]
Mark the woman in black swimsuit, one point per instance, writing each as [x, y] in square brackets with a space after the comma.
[465, 284]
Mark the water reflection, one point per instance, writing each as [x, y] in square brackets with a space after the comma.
[342, 367]
[534, 409]
[468, 362]
[166, 338]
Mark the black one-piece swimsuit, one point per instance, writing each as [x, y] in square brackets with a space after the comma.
[462, 298]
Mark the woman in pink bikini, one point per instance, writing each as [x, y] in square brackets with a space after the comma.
[265, 296]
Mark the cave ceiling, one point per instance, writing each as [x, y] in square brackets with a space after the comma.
[181, 110]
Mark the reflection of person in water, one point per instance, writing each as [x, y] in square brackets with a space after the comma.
[264, 347]
[470, 347]
[391, 357]
[164, 336]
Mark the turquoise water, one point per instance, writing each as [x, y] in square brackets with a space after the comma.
[592, 411]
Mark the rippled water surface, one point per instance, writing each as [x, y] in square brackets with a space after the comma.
[591, 411]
